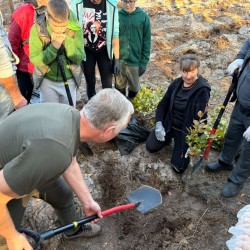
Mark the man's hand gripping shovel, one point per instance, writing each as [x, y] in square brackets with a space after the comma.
[143, 200]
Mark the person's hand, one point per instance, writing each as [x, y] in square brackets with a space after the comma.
[57, 39]
[92, 208]
[246, 134]
[236, 64]
[18, 242]
[116, 66]
[160, 131]
[20, 103]
[142, 70]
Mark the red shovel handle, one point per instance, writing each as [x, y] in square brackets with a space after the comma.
[118, 209]
[209, 144]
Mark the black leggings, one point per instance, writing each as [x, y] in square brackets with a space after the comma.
[178, 160]
[25, 84]
[104, 66]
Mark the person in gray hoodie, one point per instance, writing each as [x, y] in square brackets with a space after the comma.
[238, 132]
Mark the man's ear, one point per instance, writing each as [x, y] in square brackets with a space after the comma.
[109, 130]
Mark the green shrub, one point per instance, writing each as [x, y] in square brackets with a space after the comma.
[200, 132]
[146, 101]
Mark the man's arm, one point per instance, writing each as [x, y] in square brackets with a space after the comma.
[10, 85]
[15, 240]
[73, 177]
[7, 78]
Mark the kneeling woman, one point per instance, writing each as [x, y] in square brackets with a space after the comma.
[185, 97]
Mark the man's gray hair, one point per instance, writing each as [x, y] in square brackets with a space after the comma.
[109, 106]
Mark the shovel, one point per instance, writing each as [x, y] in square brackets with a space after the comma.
[143, 199]
[232, 87]
[61, 67]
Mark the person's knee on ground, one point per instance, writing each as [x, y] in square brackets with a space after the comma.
[152, 144]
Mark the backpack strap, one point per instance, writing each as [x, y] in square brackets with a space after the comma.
[42, 31]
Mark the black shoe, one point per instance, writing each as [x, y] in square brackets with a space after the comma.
[217, 166]
[231, 190]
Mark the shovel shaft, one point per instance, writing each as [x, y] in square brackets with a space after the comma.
[61, 67]
[232, 87]
[118, 209]
[222, 110]
[209, 144]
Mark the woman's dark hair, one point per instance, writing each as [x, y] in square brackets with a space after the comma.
[189, 62]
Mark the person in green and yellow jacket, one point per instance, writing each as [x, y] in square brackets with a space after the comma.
[135, 46]
[60, 27]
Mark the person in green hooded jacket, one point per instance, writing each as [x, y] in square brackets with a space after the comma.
[48, 35]
[135, 47]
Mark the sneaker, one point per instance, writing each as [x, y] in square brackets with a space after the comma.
[231, 190]
[87, 230]
[217, 166]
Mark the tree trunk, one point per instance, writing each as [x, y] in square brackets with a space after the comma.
[11, 5]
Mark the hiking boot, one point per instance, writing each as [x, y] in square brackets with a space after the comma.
[231, 189]
[88, 230]
[217, 166]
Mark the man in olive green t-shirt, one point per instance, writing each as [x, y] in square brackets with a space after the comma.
[38, 146]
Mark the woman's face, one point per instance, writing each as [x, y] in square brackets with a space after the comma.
[189, 77]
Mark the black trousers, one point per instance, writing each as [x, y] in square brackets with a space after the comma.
[104, 66]
[25, 84]
[239, 122]
[178, 160]
[58, 194]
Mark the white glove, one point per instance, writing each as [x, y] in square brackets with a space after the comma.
[160, 131]
[236, 64]
[246, 134]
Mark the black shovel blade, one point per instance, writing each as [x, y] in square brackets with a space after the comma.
[147, 198]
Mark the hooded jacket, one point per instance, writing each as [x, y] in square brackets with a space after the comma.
[19, 32]
[112, 21]
[242, 87]
[197, 102]
[135, 37]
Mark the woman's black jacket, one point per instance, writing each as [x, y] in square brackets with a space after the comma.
[197, 102]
